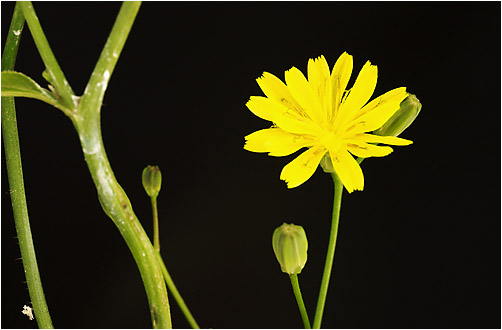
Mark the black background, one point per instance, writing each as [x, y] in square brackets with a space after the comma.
[418, 248]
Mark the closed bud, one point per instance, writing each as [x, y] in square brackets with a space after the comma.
[409, 109]
[152, 179]
[290, 247]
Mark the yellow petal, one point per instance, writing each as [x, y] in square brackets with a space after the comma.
[320, 81]
[262, 107]
[360, 93]
[372, 138]
[394, 95]
[272, 86]
[340, 78]
[377, 112]
[276, 142]
[365, 150]
[348, 170]
[302, 167]
[283, 117]
[303, 94]
[275, 89]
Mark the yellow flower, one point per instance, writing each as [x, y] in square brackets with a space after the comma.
[321, 115]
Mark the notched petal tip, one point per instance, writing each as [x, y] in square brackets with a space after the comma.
[356, 189]
[251, 100]
[286, 180]
[293, 68]
[265, 75]
[318, 58]
[290, 185]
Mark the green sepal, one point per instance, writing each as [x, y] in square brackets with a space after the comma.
[20, 85]
[327, 164]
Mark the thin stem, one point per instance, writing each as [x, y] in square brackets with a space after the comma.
[54, 72]
[16, 181]
[156, 240]
[169, 281]
[337, 203]
[298, 295]
[177, 296]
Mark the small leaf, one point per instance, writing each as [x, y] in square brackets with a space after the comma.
[18, 84]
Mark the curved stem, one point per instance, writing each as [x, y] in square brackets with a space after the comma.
[337, 203]
[111, 195]
[118, 207]
[156, 239]
[177, 296]
[298, 295]
[16, 182]
[55, 73]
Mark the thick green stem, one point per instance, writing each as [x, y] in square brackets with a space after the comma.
[112, 197]
[16, 182]
[117, 206]
[299, 300]
[54, 72]
[156, 239]
[337, 203]
[177, 296]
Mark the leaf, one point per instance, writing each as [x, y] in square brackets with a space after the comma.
[18, 84]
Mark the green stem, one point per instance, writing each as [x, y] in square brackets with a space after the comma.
[117, 206]
[16, 182]
[337, 203]
[177, 296]
[96, 87]
[156, 239]
[54, 72]
[298, 295]
[169, 281]
[111, 195]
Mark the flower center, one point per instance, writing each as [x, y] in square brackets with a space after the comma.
[332, 142]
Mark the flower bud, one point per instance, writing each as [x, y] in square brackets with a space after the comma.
[152, 179]
[409, 109]
[290, 247]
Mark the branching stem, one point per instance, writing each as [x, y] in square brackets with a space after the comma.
[177, 296]
[111, 195]
[87, 121]
[54, 72]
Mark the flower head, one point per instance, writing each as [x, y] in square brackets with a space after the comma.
[321, 115]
